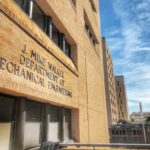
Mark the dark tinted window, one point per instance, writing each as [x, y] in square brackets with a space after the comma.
[6, 108]
[54, 113]
[55, 35]
[24, 4]
[87, 28]
[74, 2]
[134, 132]
[67, 49]
[117, 132]
[33, 112]
[38, 16]
[19, 2]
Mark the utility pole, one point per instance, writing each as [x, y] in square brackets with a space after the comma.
[143, 125]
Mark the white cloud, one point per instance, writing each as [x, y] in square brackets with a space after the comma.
[134, 38]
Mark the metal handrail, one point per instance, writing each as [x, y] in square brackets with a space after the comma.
[33, 148]
[127, 145]
[117, 145]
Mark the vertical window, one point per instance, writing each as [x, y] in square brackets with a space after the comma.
[140, 132]
[59, 124]
[112, 132]
[119, 95]
[62, 42]
[67, 124]
[25, 5]
[74, 2]
[124, 132]
[48, 26]
[87, 28]
[19, 2]
[67, 49]
[6, 122]
[38, 16]
[32, 131]
[94, 42]
[121, 100]
[91, 36]
[92, 5]
[134, 132]
[53, 124]
[55, 35]
[117, 132]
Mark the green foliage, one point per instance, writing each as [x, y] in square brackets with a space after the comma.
[148, 119]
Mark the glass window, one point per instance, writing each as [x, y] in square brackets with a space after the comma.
[32, 131]
[48, 26]
[19, 2]
[24, 4]
[67, 49]
[67, 124]
[92, 5]
[54, 121]
[38, 16]
[74, 2]
[117, 132]
[45, 23]
[134, 132]
[94, 42]
[91, 36]
[6, 122]
[59, 123]
[124, 132]
[87, 28]
[55, 35]
[113, 132]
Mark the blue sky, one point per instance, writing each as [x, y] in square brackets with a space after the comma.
[126, 26]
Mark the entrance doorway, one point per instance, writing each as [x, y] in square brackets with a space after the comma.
[26, 123]
[7, 110]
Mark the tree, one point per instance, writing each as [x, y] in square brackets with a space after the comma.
[148, 119]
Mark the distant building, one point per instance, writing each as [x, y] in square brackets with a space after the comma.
[137, 117]
[121, 98]
[111, 99]
[129, 133]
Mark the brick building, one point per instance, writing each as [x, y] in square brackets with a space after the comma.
[110, 90]
[51, 73]
[121, 98]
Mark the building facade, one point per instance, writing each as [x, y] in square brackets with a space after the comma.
[130, 133]
[138, 117]
[110, 90]
[121, 98]
[51, 73]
